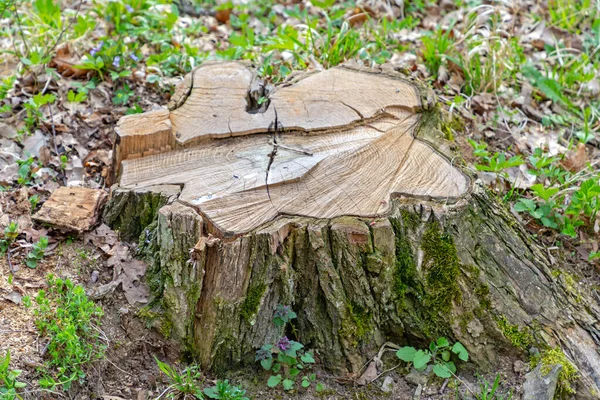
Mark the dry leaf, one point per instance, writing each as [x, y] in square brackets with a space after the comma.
[575, 161]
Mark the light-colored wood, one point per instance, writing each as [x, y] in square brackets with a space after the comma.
[346, 145]
[72, 208]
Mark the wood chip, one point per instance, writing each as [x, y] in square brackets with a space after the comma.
[72, 208]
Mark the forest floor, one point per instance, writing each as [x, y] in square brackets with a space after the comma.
[518, 82]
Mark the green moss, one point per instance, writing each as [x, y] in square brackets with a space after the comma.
[405, 273]
[451, 124]
[357, 325]
[569, 283]
[567, 376]
[482, 291]
[520, 338]
[156, 320]
[442, 270]
[252, 301]
[410, 220]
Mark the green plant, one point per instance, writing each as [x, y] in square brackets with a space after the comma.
[9, 383]
[11, 231]
[487, 392]
[37, 252]
[78, 97]
[440, 353]
[33, 109]
[497, 162]
[63, 161]
[436, 48]
[223, 390]
[25, 171]
[34, 200]
[286, 359]
[181, 384]
[67, 318]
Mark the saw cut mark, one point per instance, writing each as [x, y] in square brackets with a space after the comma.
[347, 145]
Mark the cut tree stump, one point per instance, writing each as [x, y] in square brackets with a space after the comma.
[342, 200]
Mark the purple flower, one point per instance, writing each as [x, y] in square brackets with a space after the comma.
[284, 343]
[129, 8]
[97, 48]
[116, 61]
[134, 57]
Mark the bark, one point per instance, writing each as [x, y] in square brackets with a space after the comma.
[466, 271]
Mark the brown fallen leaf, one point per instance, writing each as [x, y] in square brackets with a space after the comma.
[575, 161]
[65, 62]
[223, 15]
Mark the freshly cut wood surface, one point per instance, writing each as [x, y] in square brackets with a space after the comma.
[345, 143]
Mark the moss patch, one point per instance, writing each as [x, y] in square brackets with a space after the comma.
[252, 301]
[442, 270]
[567, 376]
[357, 325]
[520, 338]
[156, 320]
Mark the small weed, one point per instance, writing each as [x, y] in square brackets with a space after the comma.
[223, 390]
[67, 318]
[286, 359]
[181, 384]
[440, 352]
[11, 231]
[26, 168]
[489, 392]
[9, 383]
[37, 252]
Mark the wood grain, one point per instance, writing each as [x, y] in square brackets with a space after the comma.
[347, 146]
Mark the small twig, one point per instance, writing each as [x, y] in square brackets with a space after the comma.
[20, 27]
[114, 365]
[385, 372]
[53, 129]
[10, 266]
[65, 29]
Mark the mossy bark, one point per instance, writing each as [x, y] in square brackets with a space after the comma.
[466, 271]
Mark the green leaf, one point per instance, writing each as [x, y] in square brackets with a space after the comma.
[544, 193]
[446, 355]
[442, 342]
[307, 358]
[288, 384]
[274, 381]
[267, 363]
[406, 353]
[460, 350]
[294, 372]
[305, 383]
[421, 359]
[320, 387]
[441, 371]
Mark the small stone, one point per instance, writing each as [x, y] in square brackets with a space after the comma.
[541, 387]
[123, 311]
[520, 367]
[15, 297]
[94, 277]
[418, 378]
[388, 385]
[417, 395]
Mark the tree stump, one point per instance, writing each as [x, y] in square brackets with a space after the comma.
[335, 194]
